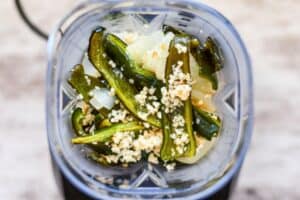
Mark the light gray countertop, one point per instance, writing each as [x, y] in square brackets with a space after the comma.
[271, 31]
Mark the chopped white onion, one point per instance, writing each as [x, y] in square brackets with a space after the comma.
[101, 97]
[151, 51]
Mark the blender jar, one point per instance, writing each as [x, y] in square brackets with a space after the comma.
[67, 47]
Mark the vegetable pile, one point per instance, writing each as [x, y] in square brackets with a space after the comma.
[151, 98]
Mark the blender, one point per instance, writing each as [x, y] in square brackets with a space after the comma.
[214, 176]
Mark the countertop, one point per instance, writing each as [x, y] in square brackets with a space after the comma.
[271, 31]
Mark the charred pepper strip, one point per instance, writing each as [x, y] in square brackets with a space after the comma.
[104, 134]
[209, 60]
[116, 49]
[215, 54]
[100, 147]
[207, 56]
[77, 117]
[167, 145]
[105, 123]
[97, 157]
[194, 42]
[186, 110]
[82, 83]
[123, 89]
[187, 105]
[206, 124]
[167, 28]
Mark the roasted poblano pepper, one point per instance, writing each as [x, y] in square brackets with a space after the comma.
[186, 110]
[194, 42]
[100, 147]
[207, 56]
[98, 119]
[168, 28]
[116, 49]
[77, 117]
[105, 123]
[124, 90]
[105, 134]
[98, 157]
[209, 60]
[206, 124]
[83, 83]
[168, 144]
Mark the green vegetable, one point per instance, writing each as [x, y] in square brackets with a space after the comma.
[77, 117]
[167, 145]
[125, 91]
[168, 28]
[104, 112]
[207, 56]
[194, 42]
[98, 119]
[186, 110]
[209, 60]
[206, 124]
[187, 106]
[98, 158]
[82, 83]
[105, 123]
[116, 49]
[105, 134]
[100, 147]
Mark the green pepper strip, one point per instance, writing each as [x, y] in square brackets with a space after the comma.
[205, 124]
[167, 145]
[186, 111]
[78, 80]
[77, 117]
[123, 89]
[187, 107]
[100, 148]
[194, 42]
[209, 60]
[167, 28]
[207, 56]
[96, 157]
[105, 123]
[104, 134]
[116, 49]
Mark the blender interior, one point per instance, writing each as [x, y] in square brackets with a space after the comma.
[67, 48]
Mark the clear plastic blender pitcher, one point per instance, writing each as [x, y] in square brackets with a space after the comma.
[234, 101]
